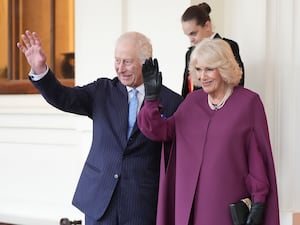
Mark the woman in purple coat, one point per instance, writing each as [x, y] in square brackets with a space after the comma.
[217, 148]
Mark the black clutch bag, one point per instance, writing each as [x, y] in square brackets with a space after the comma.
[239, 211]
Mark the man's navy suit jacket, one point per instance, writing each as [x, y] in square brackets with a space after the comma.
[114, 163]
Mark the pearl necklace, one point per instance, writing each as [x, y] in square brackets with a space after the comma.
[222, 102]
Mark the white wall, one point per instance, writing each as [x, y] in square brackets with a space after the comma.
[42, 150]
[40, 161]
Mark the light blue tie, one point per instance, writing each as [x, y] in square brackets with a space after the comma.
[133, 106]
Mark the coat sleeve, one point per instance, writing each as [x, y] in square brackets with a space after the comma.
[257, 179]
[78, 100]
[153, 125]
[262, 178]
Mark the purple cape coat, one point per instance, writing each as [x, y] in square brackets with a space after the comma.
[212, 159]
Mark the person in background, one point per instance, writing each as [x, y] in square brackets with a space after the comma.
[197, 25]
[217, 148]
[119, 181]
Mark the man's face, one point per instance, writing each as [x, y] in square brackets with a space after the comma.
[127, 64]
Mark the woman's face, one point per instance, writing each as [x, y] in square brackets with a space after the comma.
[195, 32]
[210, 79]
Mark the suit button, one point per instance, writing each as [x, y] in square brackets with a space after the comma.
[116, 176]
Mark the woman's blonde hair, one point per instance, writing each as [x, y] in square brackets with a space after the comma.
[216, 53]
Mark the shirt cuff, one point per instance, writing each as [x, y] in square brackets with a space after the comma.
[37, 77]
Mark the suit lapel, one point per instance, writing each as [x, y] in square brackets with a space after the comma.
[121, 120]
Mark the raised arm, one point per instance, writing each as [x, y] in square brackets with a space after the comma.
[68, 99]
[150, 120]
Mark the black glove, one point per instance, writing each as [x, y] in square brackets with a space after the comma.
[255, 216]
[152, 79]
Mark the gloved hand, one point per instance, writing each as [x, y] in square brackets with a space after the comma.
[152, 79]
[255, 216]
